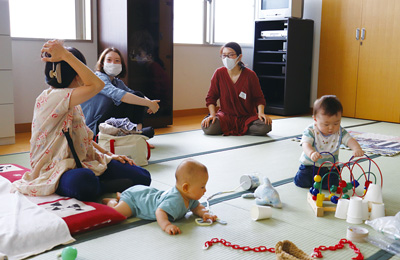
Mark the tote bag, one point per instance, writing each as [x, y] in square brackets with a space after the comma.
[134, 146]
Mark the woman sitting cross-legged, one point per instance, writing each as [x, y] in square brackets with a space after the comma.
[241, 99]
[116, 99]
[64, 158]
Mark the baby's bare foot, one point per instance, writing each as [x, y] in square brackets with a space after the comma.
[111, 202]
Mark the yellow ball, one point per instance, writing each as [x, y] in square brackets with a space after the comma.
[317, 178]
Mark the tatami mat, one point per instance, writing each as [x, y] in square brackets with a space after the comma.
[149, 242]
[177, 145]
[295, 126]
[16, 158]
[180, 145]
[228, 158]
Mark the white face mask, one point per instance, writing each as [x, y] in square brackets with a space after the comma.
[112, 69]
[229, 63]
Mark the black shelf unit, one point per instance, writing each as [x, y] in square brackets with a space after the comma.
[282, 62]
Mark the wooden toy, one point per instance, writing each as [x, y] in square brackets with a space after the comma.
[318, 200]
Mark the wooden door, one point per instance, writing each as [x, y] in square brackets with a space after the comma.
[378, 90]
[339, 49]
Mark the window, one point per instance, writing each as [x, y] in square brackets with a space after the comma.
[234, 21]
[49, 19]
[213, 21]
[188, 21]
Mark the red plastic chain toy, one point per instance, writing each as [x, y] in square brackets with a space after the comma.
[244, 248]
[317, 251]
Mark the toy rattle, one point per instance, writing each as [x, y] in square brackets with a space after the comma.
[201, 222]
[209, 222]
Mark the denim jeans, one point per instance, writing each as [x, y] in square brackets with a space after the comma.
[305, 176]
[84, 185]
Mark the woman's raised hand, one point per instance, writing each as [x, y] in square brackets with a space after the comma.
[53, 51]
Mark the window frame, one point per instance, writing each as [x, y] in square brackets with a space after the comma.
[209, 28]
[81, 27]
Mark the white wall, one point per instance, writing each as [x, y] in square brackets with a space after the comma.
[194, 65]
[7, 131]
[312, 10]
[28, 70]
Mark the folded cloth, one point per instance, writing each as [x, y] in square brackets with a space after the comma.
[109, 129]
[26, 228]
[286, 250]
[118, 127]
[114, 131]
[123, 123]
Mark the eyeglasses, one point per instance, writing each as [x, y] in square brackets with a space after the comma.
[229, 55]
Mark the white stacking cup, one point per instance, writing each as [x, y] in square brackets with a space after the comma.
[374, 193]
[260, 212]
[365, 210]
[355, 213]
[248, 182]
[377, 210]
[341, 208]
[357, 234]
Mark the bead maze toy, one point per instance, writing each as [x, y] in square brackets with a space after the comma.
[317, 199]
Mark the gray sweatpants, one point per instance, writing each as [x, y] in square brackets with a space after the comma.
[257, 127]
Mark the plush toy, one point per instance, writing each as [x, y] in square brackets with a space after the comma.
[266, 194]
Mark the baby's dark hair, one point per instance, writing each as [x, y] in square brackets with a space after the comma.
[61, 74]
[328, 105]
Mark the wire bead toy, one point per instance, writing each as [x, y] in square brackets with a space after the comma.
[341, 190]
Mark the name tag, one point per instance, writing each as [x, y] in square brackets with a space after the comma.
[242, 95]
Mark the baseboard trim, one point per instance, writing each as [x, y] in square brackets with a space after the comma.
[191, 112]
[7, 140]
[23, 128]
[26, 127]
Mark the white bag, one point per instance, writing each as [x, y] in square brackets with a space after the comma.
[134, 146]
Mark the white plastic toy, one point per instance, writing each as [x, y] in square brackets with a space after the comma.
[265, 194]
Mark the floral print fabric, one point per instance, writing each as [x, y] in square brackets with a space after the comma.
[50, 155]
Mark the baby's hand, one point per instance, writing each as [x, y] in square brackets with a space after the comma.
[172, 229]
[208, 215]
[358, 153]
[315, 156]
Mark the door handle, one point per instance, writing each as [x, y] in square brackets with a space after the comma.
[357, 34]
[363, 34]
